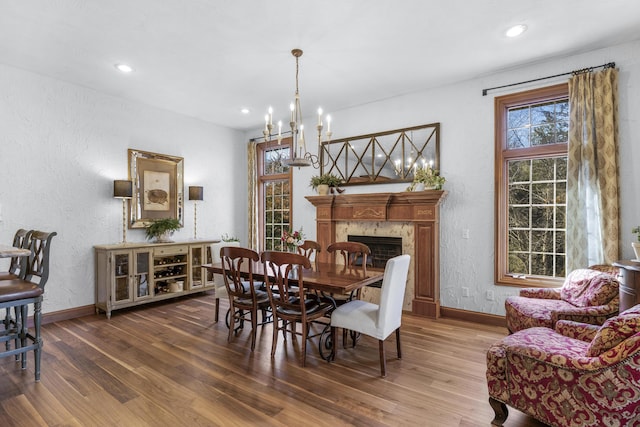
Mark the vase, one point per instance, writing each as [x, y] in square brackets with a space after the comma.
[164, 237]
[323, 189]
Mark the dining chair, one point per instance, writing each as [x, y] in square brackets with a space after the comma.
[376, 320]
[22, 292]
[310, 249]
[291, 301]
[218, 281]
[353, 254]
[244, 299]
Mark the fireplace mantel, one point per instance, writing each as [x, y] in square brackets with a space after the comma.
[420, 208]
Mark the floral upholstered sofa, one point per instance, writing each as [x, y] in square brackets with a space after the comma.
[588, 295]
[576, 375]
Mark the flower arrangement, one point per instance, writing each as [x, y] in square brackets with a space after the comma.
[291, 241]
[229, 238]
[429, 177]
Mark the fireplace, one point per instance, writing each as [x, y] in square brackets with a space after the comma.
[382, 248]
[411, 216]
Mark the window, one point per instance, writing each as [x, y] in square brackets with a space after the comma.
[531, 181]
[274, 192]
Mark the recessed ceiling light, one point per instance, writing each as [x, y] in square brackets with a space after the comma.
[245, 111]
[124, 68]
[516, 30]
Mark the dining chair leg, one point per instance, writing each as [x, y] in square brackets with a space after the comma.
[274, 341]
[305, 331]
[217, 312]
[383, 359]
[398, 343]
[334, 344]
[254, 326]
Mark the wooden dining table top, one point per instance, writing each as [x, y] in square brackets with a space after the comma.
[7, 251]
[326, 277]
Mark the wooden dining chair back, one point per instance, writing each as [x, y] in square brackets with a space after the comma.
[310, 249]
[22, 292]
[245, 300]
[17, 266]
[377, 320]
[291, 300]
[352, 254]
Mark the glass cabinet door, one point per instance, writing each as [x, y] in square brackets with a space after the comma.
[208, 274]
[121, 266]
[141, 277]
[196, 266]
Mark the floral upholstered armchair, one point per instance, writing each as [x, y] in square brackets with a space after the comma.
[576, 375]
[588, 295]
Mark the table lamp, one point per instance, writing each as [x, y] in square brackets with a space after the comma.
[195, 194]
[123, 189]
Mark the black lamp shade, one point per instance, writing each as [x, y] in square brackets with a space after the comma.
[122, 189]
[195, 193]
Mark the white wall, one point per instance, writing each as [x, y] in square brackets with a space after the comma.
[61, 148]
[467, 161]
[63, 145]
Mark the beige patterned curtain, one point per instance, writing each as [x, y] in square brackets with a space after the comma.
[592, 176]
[252, 195]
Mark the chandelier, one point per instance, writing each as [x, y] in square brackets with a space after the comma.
[301, 156]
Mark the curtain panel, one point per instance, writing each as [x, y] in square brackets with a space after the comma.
[592, 176]
[252, 195]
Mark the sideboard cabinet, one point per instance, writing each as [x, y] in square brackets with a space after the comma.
[131, 274]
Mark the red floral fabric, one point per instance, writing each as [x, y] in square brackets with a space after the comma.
[585, 287]
[615, 330]
[587, 296]
[551, 377]
[577, 330]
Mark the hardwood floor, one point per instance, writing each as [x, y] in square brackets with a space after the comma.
[169, 364]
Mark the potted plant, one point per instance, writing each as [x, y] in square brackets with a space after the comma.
[636, 245]
[426, 178]
[162, 229]
[321, 183]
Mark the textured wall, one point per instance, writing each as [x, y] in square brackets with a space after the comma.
[62, 147]
[467, 161]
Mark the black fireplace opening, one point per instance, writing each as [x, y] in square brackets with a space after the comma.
[382, 248]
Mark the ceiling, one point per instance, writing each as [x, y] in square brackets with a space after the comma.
[210, 58]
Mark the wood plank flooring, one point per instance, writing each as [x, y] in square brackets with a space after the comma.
[169, 364]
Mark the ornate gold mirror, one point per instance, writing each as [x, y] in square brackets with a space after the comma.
[384, 157]
[158, 187]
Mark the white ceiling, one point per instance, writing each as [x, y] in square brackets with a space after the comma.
[210, 58]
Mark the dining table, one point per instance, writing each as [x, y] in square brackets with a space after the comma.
[325, 277]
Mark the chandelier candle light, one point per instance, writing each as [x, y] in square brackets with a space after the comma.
[301, 157]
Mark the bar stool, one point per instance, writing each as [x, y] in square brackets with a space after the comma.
[20, 293]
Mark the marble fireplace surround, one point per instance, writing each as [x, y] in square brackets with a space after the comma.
[414, 216]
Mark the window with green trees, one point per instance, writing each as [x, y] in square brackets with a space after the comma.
[531, 170]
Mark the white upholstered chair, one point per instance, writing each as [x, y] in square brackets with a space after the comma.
[377, 321]
[218, 280]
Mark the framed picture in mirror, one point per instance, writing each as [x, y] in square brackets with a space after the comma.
[158, 187]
